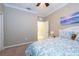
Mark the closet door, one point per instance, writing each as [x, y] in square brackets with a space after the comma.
[1, 32]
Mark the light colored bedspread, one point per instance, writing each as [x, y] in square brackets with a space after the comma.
[53, 47]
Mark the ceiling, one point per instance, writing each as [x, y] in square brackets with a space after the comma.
[31, 7]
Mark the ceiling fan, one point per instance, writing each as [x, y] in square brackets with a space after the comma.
[46, 4]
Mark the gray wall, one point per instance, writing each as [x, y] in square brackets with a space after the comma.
[1, 8]
[18, 26]
[54, 18]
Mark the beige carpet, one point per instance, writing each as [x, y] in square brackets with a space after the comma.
[14, 51]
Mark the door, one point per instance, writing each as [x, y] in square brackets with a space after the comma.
[1, 32]
[42, 30]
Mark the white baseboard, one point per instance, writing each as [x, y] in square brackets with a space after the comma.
[17, 45]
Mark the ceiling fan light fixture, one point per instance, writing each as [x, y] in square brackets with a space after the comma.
[42, 4]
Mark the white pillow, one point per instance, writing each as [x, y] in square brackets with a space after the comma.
[65, 34]
[68, 34]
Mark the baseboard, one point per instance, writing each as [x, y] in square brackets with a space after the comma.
[17, 45]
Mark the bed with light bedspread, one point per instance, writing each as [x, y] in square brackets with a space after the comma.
[54, 47]
[59, 46]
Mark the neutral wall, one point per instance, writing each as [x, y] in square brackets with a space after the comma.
[20, 27]
[54, 18]
[1, 7]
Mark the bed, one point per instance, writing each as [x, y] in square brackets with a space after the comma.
[59, 46]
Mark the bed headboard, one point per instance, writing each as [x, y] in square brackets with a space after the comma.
[74, 28]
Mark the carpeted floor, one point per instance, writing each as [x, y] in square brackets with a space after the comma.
[14, 51]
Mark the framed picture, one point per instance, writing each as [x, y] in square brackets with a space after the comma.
[70, 19]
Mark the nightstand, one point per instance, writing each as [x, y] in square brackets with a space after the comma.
[54, 36]
[51, 37]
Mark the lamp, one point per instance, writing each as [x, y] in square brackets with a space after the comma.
[52, 34]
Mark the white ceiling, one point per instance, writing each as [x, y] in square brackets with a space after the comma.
[36, 10]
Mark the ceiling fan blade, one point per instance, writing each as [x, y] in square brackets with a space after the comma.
[47, 4]
[38, 4]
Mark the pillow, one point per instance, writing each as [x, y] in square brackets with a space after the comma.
[77, 38]
[73, 36]
[77, 35]
[68, 33]
[65, 34]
